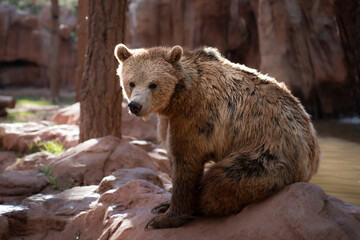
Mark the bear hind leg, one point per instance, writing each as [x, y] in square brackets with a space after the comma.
[230, 185]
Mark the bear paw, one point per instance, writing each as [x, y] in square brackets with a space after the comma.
[162, 208]
[164, 221]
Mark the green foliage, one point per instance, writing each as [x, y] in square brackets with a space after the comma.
[19, 159]
[53, 147]
[32, 6]
[35, 6]
[48, 172]
[34, 147]
[33, 108]
[42, 101]
[32, 100]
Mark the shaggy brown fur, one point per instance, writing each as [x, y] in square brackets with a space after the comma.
[256, 132]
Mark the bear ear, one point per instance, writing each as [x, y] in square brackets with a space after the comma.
[122, 53]
[174, 55]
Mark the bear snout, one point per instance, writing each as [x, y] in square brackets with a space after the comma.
[134, 107]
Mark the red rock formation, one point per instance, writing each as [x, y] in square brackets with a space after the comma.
[300, 45]
[18, 136]
[114, 183]
[67, 115]
[25, 48]
[312, 46]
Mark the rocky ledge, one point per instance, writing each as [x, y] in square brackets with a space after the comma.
[105, 188]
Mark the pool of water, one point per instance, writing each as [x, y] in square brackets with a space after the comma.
[339, 172]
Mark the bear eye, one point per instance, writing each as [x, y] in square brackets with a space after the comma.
[131, 84]
[153, 86]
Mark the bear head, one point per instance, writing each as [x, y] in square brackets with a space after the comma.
[148, 77]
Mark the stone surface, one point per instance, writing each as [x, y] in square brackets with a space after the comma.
[6, 160]
[124, 182]
[94, 159]
[123, 176]
[15, 183]
[18, 136]
[306, 52]
[24, 48]
[67, 115]
[41, 216]
[33, 161]
[300, 211]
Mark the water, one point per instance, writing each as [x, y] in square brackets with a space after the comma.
[339, 172]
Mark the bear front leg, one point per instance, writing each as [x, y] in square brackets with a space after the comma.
[186, 177]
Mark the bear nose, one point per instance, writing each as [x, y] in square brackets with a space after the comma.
[134, 107]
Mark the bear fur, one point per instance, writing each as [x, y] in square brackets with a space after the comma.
[211, 110]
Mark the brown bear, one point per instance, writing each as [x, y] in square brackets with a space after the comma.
[211, 110]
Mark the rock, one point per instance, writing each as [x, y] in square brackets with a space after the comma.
[123, 176]
[41, 216]
[6, 159]
[33, 161]
[67, 115]
[300, 211]
[228, 25]
[27, 64]
[119, 208]
[4, 227]
[18, 136]
[22, 183]
[94, 159]
[66, 18]
[316, 55]
[119, 211]
[309, 56]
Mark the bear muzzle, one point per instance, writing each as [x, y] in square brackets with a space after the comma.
[135, 107]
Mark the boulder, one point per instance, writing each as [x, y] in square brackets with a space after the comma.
[300, 211]
[18, 136]
[6, 159]
[4, 227]
[123, 176]
[118, 211]
[22, 183]
[33, 161]
[27, 64]
[120, 206]
[94, 159]
[40, 216]
[67, 115]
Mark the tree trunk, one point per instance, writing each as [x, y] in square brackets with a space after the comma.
[54, 67]
[101, 94]
[81, 28]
